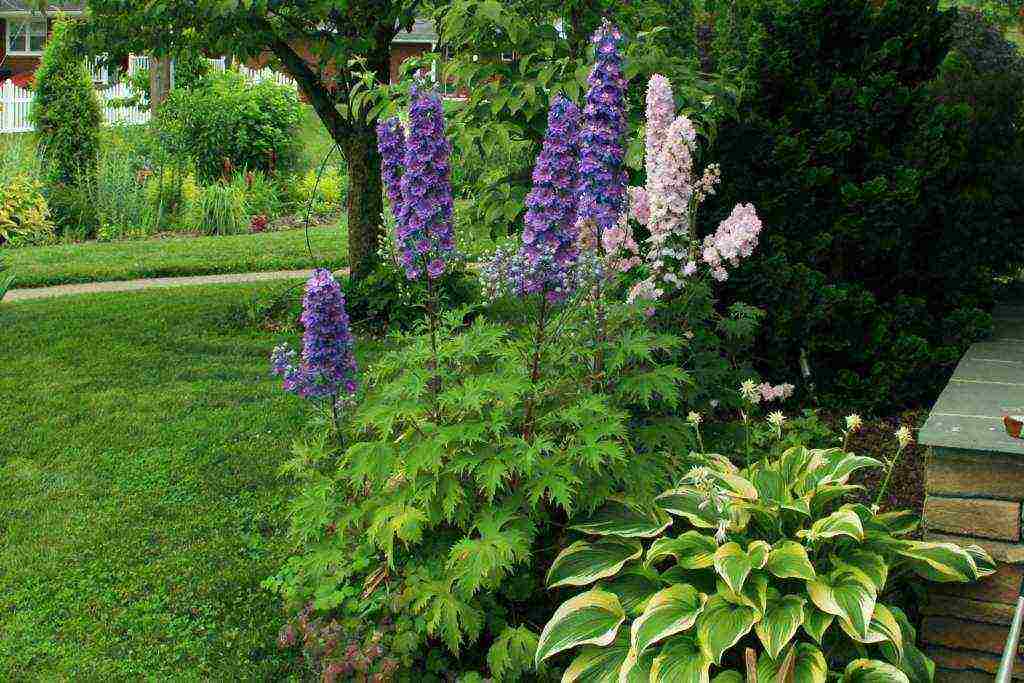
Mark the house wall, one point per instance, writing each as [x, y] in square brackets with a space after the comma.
[18, 64]
[403, 51]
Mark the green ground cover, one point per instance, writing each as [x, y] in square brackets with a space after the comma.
[140, 504]
[177, 256]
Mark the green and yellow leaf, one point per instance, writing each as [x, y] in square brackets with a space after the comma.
[583, 562]
[733, 564]
[788, 560]
[782, 619]
[692, 550]
[590, 618]
[843, 522]
[722, 624]
[670, 611]
[873, 671]
[681, 660]
[619, 518]
[846, 593]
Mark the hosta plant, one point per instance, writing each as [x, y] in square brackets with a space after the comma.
[733, 564]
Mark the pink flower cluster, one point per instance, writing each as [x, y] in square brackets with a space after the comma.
[735, 238]
[661, 108]
[777, 393]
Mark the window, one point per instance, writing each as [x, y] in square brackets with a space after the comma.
[26, 36]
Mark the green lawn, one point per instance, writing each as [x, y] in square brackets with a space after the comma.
[98, 261]
[140, 506]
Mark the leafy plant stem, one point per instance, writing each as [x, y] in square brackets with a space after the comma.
[888, 476]
[538, 344]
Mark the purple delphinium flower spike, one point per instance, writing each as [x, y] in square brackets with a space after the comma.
[549, 232]
[602, 151]
[328, 364]
[391, 145]
[425, 234]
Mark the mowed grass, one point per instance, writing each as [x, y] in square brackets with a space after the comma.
[178, 256]
[140, 506]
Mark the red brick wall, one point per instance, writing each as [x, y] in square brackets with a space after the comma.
[17, 64]
[402, 52]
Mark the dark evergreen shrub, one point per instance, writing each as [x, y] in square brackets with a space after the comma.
[877, 141]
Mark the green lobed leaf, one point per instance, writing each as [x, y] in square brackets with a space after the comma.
[670, 611]
[788, 560]
[782, 618]
[721, 626]
[590, 618]
[583, 563]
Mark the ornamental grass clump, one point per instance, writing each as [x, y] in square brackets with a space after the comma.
[327, 368]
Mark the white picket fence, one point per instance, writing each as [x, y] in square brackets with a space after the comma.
[16, 102]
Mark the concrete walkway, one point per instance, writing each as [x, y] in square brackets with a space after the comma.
[134, 285]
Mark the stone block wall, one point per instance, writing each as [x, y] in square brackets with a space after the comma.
[975, 491]
[974, 498]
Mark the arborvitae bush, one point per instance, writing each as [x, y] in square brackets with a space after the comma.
[881, 152]
[66, 112]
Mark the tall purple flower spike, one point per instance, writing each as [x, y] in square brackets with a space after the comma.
[602, 150]
[391, 145]
[550, 229]
[425, 233]
[328, 364]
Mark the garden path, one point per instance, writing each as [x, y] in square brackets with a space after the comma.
[149, 283]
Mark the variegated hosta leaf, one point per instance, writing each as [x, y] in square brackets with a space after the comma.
[839, 466]
[771, 487]
[846, 593]
[898, 523]
[728, 676]
[733, 564]
[619, 518]
[873, 565]
[608, 665]
[754, 593]
[670, 611]
[681, 660]
[823, 495]
[941, 562]
[633, 588]
[692, 550]
[912, 662]
[840, 523]
[788, 560]
[883, 629]
[982, 560]
[689, 503]
[808, 665]
[793, 464]
[873, 671]
[816, 622]
[781, 620]
[583, 562]
[735, 485]
[758, 552]
[722, 624]
[590, 618]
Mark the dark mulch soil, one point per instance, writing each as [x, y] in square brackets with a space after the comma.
[877, 439]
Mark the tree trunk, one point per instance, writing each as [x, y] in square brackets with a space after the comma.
[159, 81]
[365, 200]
